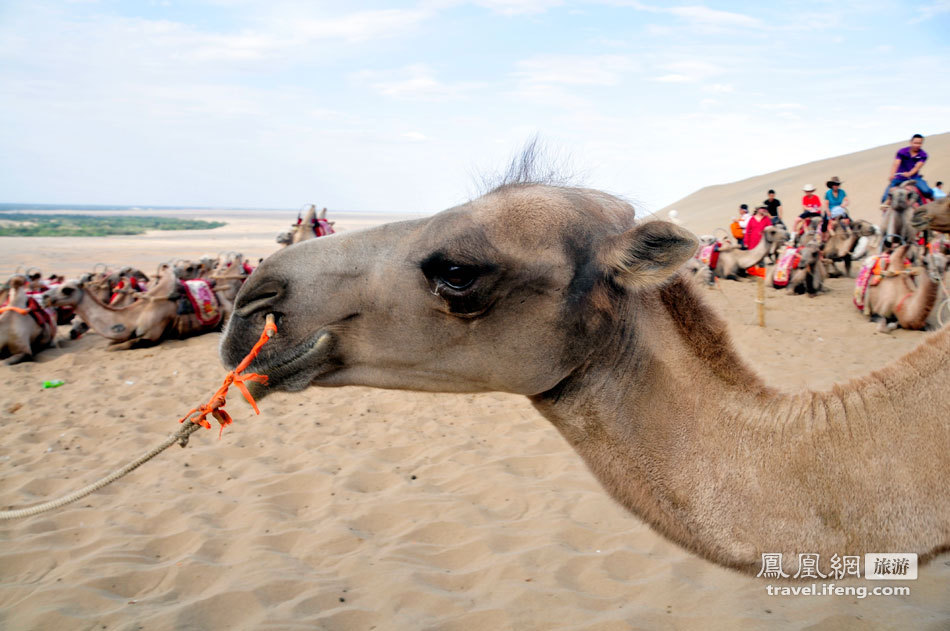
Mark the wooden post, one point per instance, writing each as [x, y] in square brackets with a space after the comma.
[760, 300]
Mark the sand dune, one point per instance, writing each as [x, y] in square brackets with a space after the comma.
[354, 508]
[864, 176]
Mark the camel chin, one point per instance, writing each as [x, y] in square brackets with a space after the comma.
[290, 367]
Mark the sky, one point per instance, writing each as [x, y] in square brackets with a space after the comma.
[408, 106]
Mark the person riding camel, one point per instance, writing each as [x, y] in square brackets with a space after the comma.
[907, 165]
[811, 207]
[837, 200]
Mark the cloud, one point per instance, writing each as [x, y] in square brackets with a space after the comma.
[688, 71]
[357, 27]
[705, 16]
[696, 15]
[604, 70]
[930, 11]
[519, 7]
[416, 82]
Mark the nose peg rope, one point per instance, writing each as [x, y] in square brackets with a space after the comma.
[196, 418]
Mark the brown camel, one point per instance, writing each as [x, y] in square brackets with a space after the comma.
[733, 262]
[558, 294]
[141, 323]
[896, 220]
[21, 336]
[933, 216]
[809, 277]
[303, 230]
[842, 242]
[897, 300]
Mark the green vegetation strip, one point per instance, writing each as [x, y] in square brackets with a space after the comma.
[30, 225]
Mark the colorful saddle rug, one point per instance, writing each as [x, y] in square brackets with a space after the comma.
[322, 228]
[710, 255]
[203, 301]
[786, 264]
[869, 276]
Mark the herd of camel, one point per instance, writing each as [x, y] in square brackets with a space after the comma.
[906, 287]
[116, 305]
[561, 295]
[125, 306]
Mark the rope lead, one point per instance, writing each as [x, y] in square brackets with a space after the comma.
[195, 418]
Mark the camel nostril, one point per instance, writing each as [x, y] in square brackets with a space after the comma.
[262, 297]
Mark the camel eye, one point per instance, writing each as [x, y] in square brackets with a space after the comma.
[458, 277]
[67, 291]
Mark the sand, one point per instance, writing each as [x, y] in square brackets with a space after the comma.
[354, 508]
[863, 176]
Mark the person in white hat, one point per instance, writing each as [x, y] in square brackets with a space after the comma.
[811, 207]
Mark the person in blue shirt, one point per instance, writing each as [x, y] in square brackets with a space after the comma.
[938, 191]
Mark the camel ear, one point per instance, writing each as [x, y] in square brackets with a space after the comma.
[648, 254]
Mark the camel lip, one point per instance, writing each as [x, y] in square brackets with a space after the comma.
[295, 368]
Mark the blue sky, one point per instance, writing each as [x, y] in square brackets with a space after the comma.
[401, 106]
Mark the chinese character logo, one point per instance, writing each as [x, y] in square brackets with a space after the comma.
[808, 566]
[771, 566]
[845, 566]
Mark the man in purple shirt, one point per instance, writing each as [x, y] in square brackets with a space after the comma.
[907, 165]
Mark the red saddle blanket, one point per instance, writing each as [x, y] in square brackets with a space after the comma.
[203, 300]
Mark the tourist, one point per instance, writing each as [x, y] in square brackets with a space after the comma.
[907, 165]
[739, 224]
[837, 200]
[938, 191]
[757, 225]
[811, 207]
[774, 206]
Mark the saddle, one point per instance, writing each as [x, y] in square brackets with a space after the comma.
[783, 269]
[197, 297]
[710, 255]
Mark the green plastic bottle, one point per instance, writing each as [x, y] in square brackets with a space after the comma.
[53, 383]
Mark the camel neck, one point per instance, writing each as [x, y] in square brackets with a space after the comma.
[109, 322]
[682, 433]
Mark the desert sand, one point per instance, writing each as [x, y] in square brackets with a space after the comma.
[354, 508]
[863, 176]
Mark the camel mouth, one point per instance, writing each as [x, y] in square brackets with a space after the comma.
[297, 367]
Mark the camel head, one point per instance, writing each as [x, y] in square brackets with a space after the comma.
[863, 228]
[502, 293]
[904, 196]
[67, 294]
[285, 238]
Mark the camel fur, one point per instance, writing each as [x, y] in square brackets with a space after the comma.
[559, 294]
[21, 337]
[897, 300]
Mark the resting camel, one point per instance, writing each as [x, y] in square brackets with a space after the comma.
[809, 276]
[933, 216]
[733, 262]
[897, 300]
[141, 323]
[303, 230]
[842, 242]
[21, 336]
[560, 295]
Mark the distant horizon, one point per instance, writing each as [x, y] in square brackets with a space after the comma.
[26, 206]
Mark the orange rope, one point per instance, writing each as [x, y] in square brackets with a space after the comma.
[17, 309]
[215, 405]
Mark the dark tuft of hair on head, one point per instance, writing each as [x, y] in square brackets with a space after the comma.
[532, 165]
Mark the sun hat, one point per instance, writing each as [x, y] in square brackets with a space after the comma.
[833, 180]
[808, 188]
